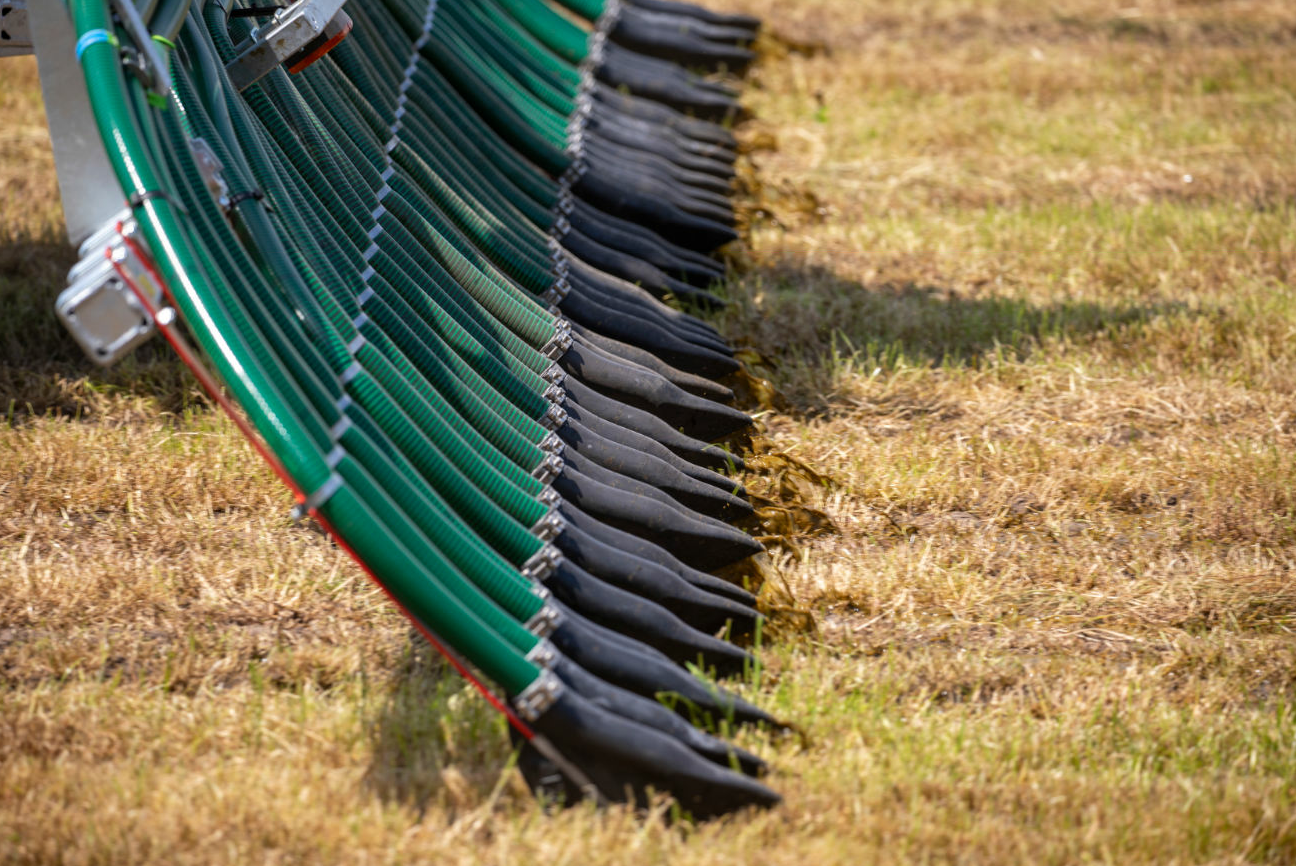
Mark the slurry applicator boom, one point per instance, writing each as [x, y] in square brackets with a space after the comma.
[422, 251]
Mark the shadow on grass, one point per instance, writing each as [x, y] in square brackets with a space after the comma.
[811, 323]
[436, 742]
[43, 371]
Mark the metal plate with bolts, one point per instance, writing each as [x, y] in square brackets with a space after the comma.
[98, 308]
[293, 35]
[15, 33]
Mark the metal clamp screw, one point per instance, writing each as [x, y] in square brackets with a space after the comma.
[537, 698]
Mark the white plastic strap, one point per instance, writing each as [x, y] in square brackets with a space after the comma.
[321, 496]
[337, 431]
[402, 90]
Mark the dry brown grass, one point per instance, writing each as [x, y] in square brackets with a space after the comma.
[1051, 381]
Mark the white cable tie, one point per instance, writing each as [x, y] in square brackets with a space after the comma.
[350, 373]
[318, 499]
[360, 321]
[338, 431]
[370, 252]
[356, 344]
[363, 297]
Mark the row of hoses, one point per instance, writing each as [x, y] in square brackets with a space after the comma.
[430, 272]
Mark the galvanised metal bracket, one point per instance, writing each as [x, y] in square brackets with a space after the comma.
[89, 189]
[15, 31]
[298, 35]
[98, 307]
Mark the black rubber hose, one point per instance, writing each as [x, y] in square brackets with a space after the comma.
[700, 542]
[579, 306]
[652, 67]
[586, 414]
[633, 270]
[597, 411]
[663, 217]
[712, 161]
[709, 170]
[700, 178]
[672, 90]
[707, 156]
[633, 239]
[638, 305]
[589, 306]
[637, 667]
[627, 761]
[677, 23]
[641, 182]
[653, 479]
[700, 608]
[645, 621]
[614, 564]
[664, 82]
[694, 384]
[657, 149]
[728, 19]
[686, 325]
[589, 451]
[605, 98]
[696, 416]
[646, 711]
[636, 546]
[582, 419]
[683, 46]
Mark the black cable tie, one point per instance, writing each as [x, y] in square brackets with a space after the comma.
[239, 197]
[137, 199]
[255, 11]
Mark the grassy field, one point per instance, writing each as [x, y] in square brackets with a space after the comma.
[1022, 274]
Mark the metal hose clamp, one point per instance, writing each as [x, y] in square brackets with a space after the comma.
[543, 654]
[556, 417]
[557, 346]
[561, 227]
[536, 699]
[555, 294]
[553, 374]
[552, 444]
[549, 497]
[549, 527]
[542, 564]
[549, 469]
